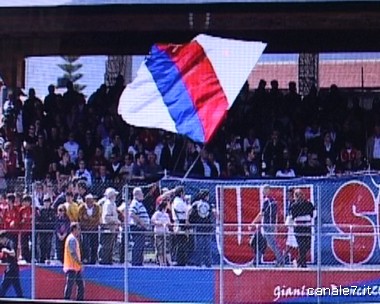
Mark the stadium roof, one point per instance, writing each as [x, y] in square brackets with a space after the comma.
[59, 27]
[29, 3]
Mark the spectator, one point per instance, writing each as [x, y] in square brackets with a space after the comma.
[71, 207]
[12, 218]
[89, 219]
[251, 165]
[139, 224]
[41, 161]
[172, 159]
[109, 225]
[126, 169]
[268, 217]
[38, 194]
[179, 215]
[88, 146]
[272, 153]
[312, 167]
[200, 216]
[153, 171]
[62, 228]
[65, 168]
[72, 147]
[83, 173]
[373, 148]
[330, 167]
[114, 166]
[251, 141]
[328, 148]
[29, 146]
[51, 103]
[11, 159]
[139, 167]
[161, 222]
[347, 156]
[26, 214]
[45, 224]
[285, 170]
[3, 172]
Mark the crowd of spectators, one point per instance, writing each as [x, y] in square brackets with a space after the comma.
[268, 132]
[73, 150]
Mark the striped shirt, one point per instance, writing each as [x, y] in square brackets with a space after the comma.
[138, 209]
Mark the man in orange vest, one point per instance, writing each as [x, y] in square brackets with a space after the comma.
[72, 263]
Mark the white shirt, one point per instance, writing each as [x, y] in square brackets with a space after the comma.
[179, 213]
[179, 209]
[290, 173]
[72, 148]
[109, 213]
[86, 174]
[160, 218]
[376, 148]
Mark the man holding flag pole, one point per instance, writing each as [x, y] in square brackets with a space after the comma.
[188, 89]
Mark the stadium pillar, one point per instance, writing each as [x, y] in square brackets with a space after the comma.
[118, 65]
[308, 72]
[12, 68]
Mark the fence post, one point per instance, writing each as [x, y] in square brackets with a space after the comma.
[126, 244]
[319, 240]
[221, 242]
[351, 248]
[33, 264]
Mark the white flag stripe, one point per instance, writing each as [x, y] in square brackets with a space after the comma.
[145, 107]
[232, 60]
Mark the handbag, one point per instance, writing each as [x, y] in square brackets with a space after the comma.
[258, 240]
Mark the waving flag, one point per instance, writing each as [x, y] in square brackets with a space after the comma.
[188, 88]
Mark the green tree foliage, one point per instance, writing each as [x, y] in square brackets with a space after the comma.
[70, 67]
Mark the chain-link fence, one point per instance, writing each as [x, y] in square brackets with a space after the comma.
[236, 257]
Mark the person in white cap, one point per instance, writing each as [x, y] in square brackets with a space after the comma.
[109, 224]
[139, 224]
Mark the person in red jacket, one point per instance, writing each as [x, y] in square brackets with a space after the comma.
[3, 210]
[12, 219]
[26, 227]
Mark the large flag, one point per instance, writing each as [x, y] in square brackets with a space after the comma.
[188, 88]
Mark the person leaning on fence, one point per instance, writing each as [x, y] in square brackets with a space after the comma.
[180, 239]
[12, 272]
[26, 212]
[161, 223]
[62, 229]
[89, 220]
[268, 217]
[110, 224]
[291, 241]
[139, 225]
[200, 215]
[302, 212]
[45, 225]
[72, 263]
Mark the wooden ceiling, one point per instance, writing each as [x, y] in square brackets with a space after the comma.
[132, 29]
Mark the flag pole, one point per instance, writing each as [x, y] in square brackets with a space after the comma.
[191, 167]
[179, 156]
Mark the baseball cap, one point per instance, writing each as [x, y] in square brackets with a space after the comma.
[110, 191]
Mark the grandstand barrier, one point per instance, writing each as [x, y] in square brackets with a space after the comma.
[342, 263]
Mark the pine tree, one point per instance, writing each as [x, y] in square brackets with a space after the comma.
[71, 67]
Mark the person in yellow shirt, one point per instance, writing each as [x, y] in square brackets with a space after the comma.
[72, 263]
[72, 208]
